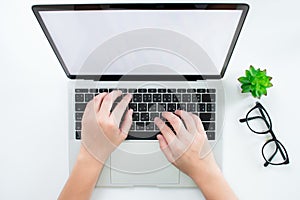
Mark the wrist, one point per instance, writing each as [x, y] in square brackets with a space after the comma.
[86, 159]
[205, 171]
[204, 176]
[211, 180]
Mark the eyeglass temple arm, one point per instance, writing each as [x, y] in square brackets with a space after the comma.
[277, 145]
[250, 118]
[271, 157]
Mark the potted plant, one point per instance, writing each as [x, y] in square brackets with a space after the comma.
[255, 82]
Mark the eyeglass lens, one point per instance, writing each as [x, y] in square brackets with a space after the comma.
[272, 153]
[257, 121]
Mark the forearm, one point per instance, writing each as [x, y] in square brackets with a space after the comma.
[213, 185]
[83, 178]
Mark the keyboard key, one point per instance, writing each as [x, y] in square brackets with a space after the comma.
[133, 106]
[142, 90]
[153, 115]
[191, 107]
[201, 90]
[140, 126]
[150, 126]
[78, 126]
[147, 97]
[78, 116]
[161, 107]
[176, 97]
[171, 107]
[103, 90]
[209, 126]
[144, 116]
[171, 90]
[166, 97]
[80, 106]
[181, 106]
[208, 97]
[152, 90]
[93, 90]
[181, 90]
[142, 107]
[152, 107]
[111, 89]
[77, 90]
[132, 90]
[132, 127]
[210, 135]
[161, 117]
[156, 97]
[190, 90]
[161, 90]
[135, 116]
[201, 107]
[211, 90]
[77, 135]
[137, 97]
[196, 97]
[186, 97]
[88, 97]
[124, 90]
[211, 107]
[79, 97]
[207, 116]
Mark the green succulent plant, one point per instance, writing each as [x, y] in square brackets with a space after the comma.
[256, 82]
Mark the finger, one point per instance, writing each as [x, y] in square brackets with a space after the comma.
[198, 122]
[175, 121]
[164, 147]
[125, 127]
[98, 101]
[188, 120]
[165, 130]
[119, 110]
[108, 102]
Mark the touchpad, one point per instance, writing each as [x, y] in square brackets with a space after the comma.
[141, 163]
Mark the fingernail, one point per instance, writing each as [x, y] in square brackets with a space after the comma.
[158, 136]
[130, 111]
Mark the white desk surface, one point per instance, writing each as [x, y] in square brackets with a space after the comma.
[33, 149]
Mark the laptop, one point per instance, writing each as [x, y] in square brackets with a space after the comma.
[168, 55]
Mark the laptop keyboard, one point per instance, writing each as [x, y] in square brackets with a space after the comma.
[148, 103]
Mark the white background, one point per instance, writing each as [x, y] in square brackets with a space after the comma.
[33, 150]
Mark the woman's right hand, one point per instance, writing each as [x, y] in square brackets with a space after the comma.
[184, 149]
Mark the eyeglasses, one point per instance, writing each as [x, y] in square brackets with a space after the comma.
[259, 122]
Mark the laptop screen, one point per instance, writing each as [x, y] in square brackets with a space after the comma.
[138, 39]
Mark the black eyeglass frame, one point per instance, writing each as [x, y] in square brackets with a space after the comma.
[279, 145]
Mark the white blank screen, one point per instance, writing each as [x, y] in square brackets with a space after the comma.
[77, 34]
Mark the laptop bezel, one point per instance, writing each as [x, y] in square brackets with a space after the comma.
[143, 6]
